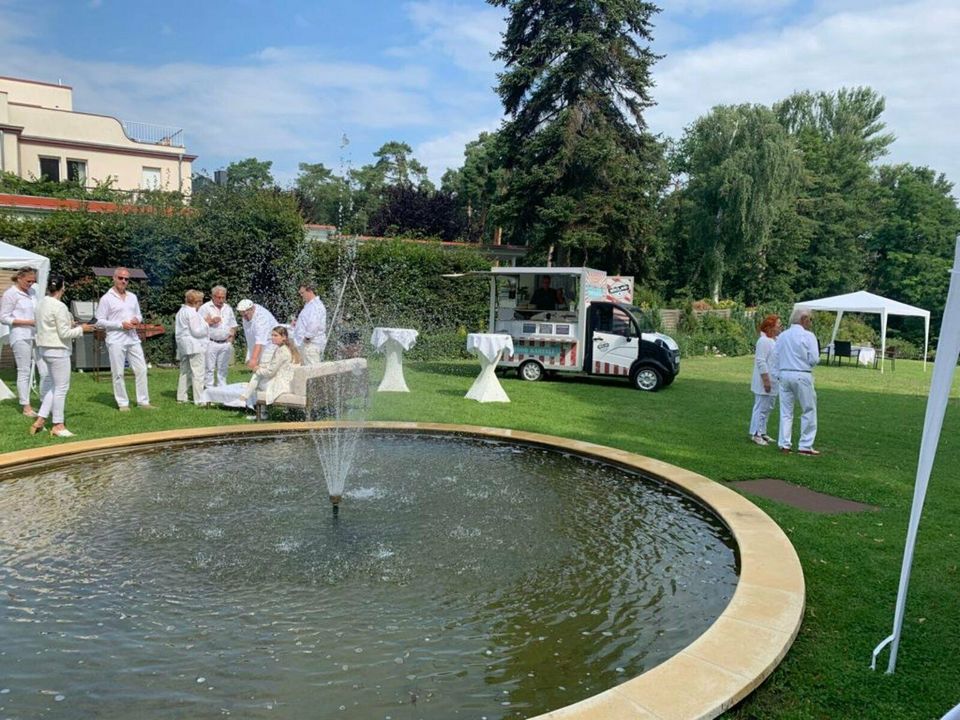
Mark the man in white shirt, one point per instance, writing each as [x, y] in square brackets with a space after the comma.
[258, 324]
[798, 352]
[218, 314]
[119, 314]
[310, 329]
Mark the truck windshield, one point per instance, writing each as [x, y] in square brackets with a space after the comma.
[615, 321]
[645, 318]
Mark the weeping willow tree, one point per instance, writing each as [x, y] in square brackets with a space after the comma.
[742, 173]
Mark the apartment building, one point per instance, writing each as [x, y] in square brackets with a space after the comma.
[41, 135]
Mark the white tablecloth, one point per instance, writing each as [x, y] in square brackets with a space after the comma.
[406, 337]
[867, 354]
[488, 347]
[393, 341]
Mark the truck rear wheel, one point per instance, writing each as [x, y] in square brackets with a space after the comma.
[647, 378]
[531, 371]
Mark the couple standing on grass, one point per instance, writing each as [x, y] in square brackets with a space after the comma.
[783, 364]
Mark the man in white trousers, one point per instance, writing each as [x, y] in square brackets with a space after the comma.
[310, 329]
[119, 314]
[798, 353]
[218, 314]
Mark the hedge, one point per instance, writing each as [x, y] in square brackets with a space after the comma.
[254, 244]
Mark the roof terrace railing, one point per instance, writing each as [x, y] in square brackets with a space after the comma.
[154, 134]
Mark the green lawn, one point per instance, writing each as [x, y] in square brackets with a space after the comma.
[870, 428]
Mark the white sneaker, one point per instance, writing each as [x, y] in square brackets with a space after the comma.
[758, 440]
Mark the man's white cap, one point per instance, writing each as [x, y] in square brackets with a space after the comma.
[244, 305]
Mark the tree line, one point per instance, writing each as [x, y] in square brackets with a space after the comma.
[754, 203]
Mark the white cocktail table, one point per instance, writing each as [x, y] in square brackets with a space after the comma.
[488, 347]
[392, 342]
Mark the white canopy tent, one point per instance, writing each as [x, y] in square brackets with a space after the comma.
[865, 302]
[14, 258]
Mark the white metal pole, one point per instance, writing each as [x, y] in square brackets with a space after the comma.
[948, 351]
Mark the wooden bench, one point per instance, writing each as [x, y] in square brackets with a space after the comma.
[323, 390]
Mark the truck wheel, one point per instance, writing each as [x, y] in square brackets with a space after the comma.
[531, 370]
[647, 378]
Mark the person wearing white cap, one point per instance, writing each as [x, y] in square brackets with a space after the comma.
[258, 324]
[310, 330]
[223, 329]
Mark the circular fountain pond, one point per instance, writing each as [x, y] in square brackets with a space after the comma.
[464, 577]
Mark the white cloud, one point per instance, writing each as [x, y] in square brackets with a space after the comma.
[446, 151]
[711, 7]
[467, 34]
[906, 52]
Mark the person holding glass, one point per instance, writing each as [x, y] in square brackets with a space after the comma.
[191, 333]
[55, 331]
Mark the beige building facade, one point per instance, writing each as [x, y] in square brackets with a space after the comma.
[42, 136]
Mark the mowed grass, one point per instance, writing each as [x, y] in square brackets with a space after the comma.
[870, 427]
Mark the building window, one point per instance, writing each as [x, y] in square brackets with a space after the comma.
[50, 169]
[150, 179]
[77, 171]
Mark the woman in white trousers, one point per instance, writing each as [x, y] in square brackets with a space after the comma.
[55, 330]
[191, 332]
[764, 382]
[18, 312]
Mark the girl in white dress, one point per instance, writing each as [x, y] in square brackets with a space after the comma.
[274, 378]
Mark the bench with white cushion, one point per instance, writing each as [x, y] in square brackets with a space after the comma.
[322, 389]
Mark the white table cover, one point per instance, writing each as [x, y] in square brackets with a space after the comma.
[393, 341]
[488, 347]
[866, 357]
[406, 337]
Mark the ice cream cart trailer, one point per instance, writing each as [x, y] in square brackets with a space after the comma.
[577, 320]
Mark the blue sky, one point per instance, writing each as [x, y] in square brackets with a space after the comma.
[286, 80]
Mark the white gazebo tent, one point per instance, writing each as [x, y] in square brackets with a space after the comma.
[865, 302]
[14, 258]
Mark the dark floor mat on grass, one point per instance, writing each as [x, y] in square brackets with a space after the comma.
[799, 497]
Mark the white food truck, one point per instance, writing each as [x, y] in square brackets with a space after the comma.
[577, 320]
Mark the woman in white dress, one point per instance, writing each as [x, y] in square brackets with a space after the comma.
[191, 332]
[764, 382]
[18, 312]
[55, 330]
[274, 378]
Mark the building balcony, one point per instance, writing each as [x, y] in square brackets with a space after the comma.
[154, 134]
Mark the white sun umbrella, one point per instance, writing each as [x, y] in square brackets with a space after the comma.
[948, 350]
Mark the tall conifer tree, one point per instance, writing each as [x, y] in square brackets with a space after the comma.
[584, 172]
